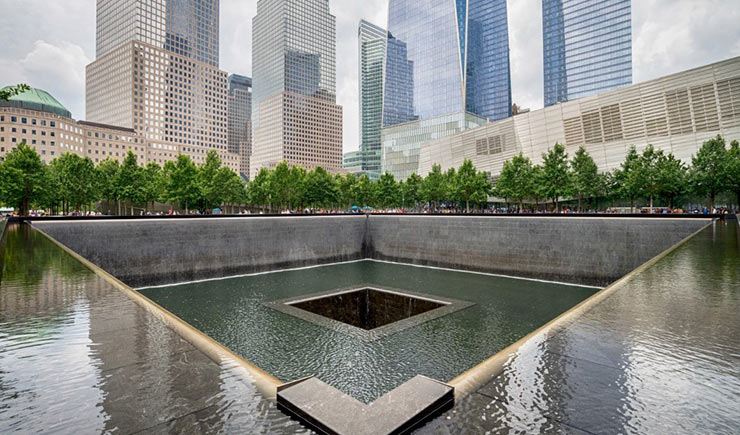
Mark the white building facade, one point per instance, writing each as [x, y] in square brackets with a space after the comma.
[676, 113]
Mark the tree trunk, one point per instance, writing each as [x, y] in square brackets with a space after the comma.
[467, 206]
[119, 207]
[580, 207]
[651, 203]
[521, 205]
[711, 201]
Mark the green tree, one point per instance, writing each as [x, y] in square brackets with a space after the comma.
[672, 178]
[469, 184]
[627, 178]
[11, 91]
[411, 191]
[387, 191]
[230, 187]
[22, 178]
[181, 182]
[259, 190]
[321, 189]
[733, 170]
[152, 184]
[709, 169]
[516, 181]
[130, 180]
[345, 189]
[107, 177]
[556, 176]
[211, 193]
[648, 173]
[586, 182]
[434, 187]
[364, 191]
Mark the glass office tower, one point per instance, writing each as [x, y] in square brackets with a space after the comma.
[372, 42]
[193, 28]
[447, 56]
[294, 111]
[587, 47]
[447, 70]
[240, 120]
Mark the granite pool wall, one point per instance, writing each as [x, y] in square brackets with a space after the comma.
[579, 250]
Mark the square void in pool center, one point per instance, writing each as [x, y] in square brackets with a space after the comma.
[367, 312]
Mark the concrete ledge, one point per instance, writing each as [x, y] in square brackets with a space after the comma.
[326, 410]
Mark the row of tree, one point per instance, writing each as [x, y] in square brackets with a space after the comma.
[296, 188]
[648, 175]
[73, 183]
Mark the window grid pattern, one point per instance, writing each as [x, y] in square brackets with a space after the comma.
[587, 47]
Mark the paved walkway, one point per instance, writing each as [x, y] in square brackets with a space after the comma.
[659, 356]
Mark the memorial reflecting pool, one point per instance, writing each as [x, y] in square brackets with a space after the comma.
[501, 311]
[660, 355]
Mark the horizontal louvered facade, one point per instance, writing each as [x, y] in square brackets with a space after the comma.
[676, 113]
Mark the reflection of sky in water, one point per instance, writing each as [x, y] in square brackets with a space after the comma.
[48, 352]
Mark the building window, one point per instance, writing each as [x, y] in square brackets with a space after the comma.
[13, 119]
[52, 124]
[24, 120]
[33, 122]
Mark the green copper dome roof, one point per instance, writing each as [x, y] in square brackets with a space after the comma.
[37, 99]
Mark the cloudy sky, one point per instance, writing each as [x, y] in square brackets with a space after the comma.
[47, 44]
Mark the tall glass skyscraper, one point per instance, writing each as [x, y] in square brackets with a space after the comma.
[447, 56]
[186, 27]
[294, 111]
[587, 47]
[193, 28]
[447, 70]
[240, 120]
[372, 42]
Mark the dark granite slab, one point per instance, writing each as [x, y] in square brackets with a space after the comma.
[327, 410]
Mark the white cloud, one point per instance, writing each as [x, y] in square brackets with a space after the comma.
[57, 65]
[525, 45]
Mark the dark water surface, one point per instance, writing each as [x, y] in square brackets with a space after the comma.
[77, 356]
[232, 312]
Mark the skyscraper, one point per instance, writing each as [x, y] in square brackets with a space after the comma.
[240, 120]
[157, 72]
[294, 112]
[457, 55]
[587, 47]
[372, 41]
[447, 70]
